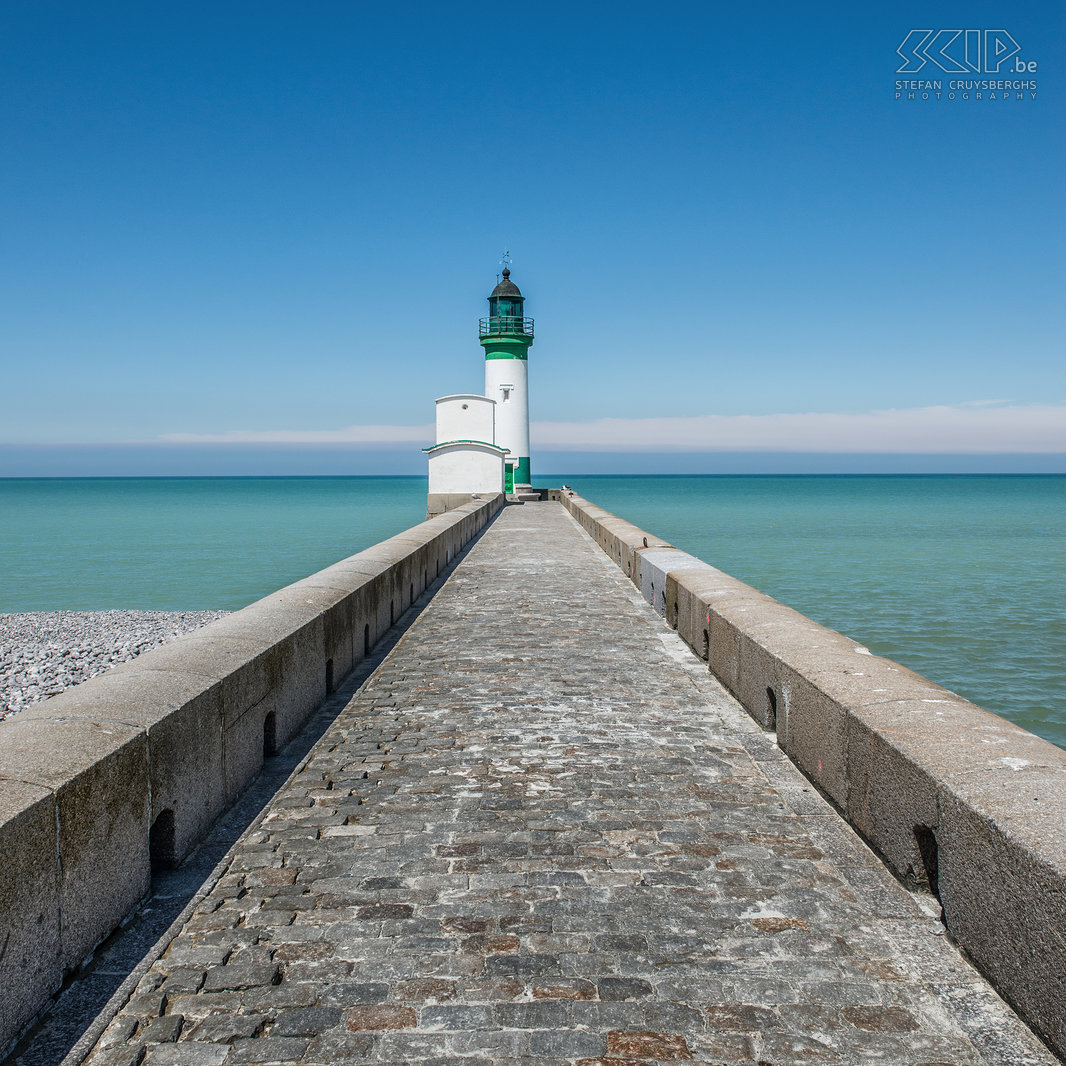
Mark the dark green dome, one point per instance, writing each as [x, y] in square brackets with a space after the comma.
[507, 287]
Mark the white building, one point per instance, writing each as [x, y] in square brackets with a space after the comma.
[466, 461]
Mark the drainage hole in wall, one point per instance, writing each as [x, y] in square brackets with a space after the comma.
[161, 842]
[771, 707]
[270, 735]
[330, 686]
[366, 639]
[706, 644]
[928, 876]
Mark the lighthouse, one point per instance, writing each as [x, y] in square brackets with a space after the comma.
[483, 441]
[506, 335]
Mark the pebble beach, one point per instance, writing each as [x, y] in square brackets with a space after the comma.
[44, 652]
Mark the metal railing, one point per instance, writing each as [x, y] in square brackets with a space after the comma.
[498, 325]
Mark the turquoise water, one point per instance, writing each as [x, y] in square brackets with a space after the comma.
[171, 544]
[962, 578]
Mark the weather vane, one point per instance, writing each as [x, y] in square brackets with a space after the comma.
[505, 262]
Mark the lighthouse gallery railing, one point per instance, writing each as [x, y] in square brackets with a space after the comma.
[500, 324]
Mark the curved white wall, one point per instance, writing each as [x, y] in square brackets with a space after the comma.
[466, 468]
[506, 382]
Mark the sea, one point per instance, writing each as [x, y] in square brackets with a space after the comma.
[960, 577]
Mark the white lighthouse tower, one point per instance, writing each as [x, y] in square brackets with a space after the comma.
[506, 335]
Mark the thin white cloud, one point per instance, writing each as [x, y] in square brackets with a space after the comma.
[348, 435]
[984, 427]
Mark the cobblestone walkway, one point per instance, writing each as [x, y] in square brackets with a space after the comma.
[542, 833]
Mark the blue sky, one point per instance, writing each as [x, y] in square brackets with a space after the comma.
[257, 237]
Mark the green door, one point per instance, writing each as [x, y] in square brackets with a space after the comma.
[508, 478]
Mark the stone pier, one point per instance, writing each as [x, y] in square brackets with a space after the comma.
[542, 832]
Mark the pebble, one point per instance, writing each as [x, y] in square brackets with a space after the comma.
[44, 652]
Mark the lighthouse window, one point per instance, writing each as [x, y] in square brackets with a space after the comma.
[506, 390]
[506, 308]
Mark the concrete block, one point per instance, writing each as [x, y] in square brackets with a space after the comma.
[98, 773]
[408, 573]
[248, 673]
[295, 637]
[365, 626]
[739, 658]
[812, 731]
[385, 556]
[399, 547]
[721, 613]
[890, 796]
[182, 717]
[696, 590]
[348, 572]
[752, 639]
[246, 741]
[312, 595]
[848, 672]
[723, 656]
[634, 546]
[229, 654]
[783, 656]
[679, 610]
[423, 563]
[900, 753]
[610, 533]
[655, 564]
[758, 683]
[1002, 868]
[31, 957]
[331, 602]
[338, 638]
[342, 630]
[873, 735]
[386, 602]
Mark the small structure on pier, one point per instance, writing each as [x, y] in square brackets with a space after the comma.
[466, 461]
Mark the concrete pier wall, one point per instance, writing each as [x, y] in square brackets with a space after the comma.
[130, 769]
[954, 798]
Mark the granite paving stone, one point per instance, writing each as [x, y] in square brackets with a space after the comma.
[542, 833]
